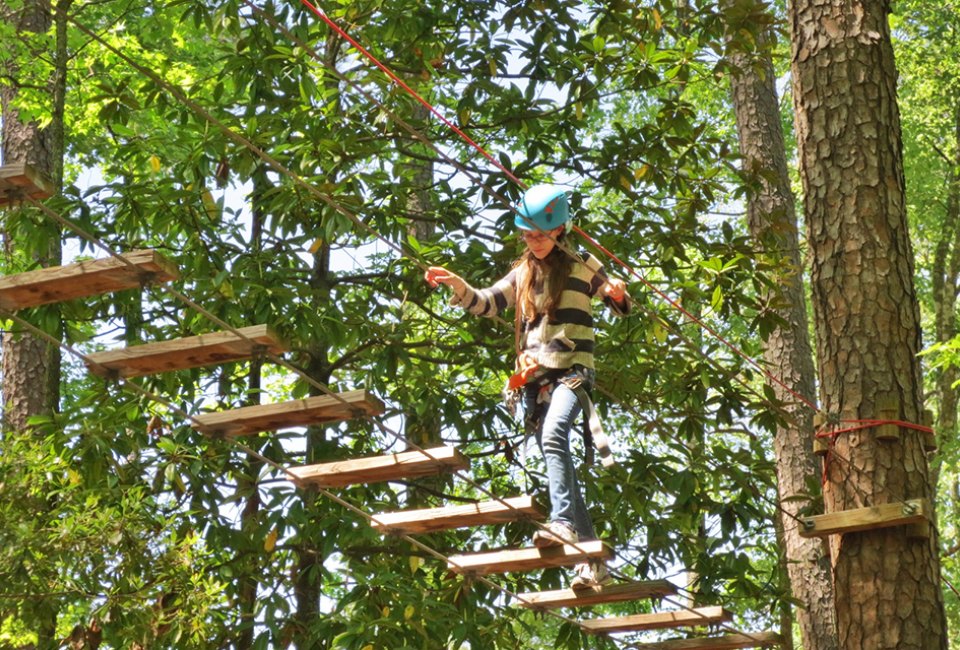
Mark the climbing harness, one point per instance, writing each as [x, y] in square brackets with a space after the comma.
[579, 380]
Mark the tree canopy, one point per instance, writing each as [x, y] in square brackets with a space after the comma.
[277, 166]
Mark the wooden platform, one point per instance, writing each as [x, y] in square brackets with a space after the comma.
[728, 642]
[614, 593]
[283, 415]
[528, 559]
[190, 352]
[19, 181]
[658, 620]
[429, 520]
[83, 279]
[914, 511]
[377, 469]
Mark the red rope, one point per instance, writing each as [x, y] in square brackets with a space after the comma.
[400, 82]
[861, 424]
[583, 234]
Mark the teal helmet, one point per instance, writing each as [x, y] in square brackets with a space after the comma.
[543, 207]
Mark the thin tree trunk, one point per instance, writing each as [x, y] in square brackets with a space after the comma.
[946, 271]
[886, 584]
[249, 486]
[310, 557]
[772, 220]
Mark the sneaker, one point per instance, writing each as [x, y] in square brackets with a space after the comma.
[556, 533]
[592, 575]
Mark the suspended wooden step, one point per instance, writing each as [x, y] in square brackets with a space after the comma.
[528, 559]
[728, 642]
[658, 620]
[19, 181]
[190, 352]
[295, 413]
[84, 279]
[411, 522]
[614, 593]
[914, 511]
[377, 469]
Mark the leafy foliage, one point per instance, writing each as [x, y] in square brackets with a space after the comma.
[159, 535]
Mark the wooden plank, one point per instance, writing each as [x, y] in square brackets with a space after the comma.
[295, 413]
[376, 469]
[83, 279]
[528, 559]
[614, 593]
[412, 522]
[658, 620]
[913, 511]
[19, 180]
[190, 352]
[727, 642]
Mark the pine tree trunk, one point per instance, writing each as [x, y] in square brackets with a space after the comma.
[31, 367]
[886, 584]
[771, 217]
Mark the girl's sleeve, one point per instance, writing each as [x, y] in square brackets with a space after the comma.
[489, 301]
[598, 279]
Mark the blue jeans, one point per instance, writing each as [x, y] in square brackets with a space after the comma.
[553, 431]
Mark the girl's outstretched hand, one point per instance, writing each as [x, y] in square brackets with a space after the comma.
[437, 275]
[615, 289]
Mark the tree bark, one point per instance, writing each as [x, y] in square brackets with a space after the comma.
[771, 217]
[30, 366]
[886, 584]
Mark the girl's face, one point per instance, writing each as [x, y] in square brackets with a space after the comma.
[540, 243]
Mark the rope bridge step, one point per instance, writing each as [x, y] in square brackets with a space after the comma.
[295, 413]
[377, 469]
[528, 559]
[189, 352]
[616, 593]
[914, 513]
[658, 620]
[728, 642]
[411, 522]
[19, 181]
[84, 279]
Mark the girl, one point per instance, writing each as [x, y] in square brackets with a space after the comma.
[552, 290]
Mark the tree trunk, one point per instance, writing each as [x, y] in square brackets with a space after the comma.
[307, 588]
[886, 584]
[946, 271]
[249, 486]
[31, 367]
[771, 217]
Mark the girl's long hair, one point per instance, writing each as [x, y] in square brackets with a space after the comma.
[551, 273]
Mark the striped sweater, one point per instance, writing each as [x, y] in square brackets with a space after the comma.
[561, 342]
